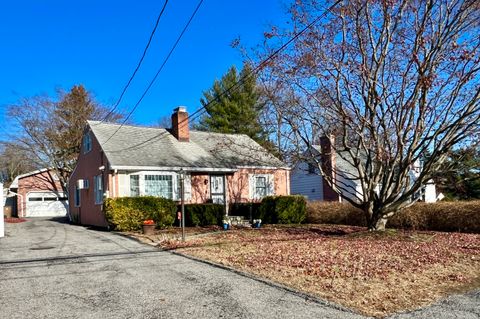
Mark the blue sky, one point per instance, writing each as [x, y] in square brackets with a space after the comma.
[51, 44]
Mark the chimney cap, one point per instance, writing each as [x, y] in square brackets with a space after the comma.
[180, 109]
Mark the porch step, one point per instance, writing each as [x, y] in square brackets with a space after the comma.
[238, 221]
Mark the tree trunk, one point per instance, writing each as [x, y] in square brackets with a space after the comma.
[376, 220]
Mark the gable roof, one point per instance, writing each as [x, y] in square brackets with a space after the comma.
[136, 147]
[343, 162]
[14, 183]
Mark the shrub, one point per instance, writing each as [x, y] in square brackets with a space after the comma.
[463, 216]
[203, 214]
[322, 212]
[282, 210]
[128, 213]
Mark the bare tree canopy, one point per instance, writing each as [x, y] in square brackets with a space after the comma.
[392, 81]
[14, 161]
[51, 130]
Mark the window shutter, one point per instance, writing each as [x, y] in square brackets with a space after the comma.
[271, 184]
[188, 187]
[251, 186]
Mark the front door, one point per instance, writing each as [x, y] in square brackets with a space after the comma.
[217, 189]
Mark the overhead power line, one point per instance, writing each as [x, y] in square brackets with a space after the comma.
[160, 69]
[115, 106]
[256, 70]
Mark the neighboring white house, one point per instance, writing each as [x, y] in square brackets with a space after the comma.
[306, 179]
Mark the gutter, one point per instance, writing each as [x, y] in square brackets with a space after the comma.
[166, 168]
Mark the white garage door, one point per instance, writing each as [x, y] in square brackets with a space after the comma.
[46, 204]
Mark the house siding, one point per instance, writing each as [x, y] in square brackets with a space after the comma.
[87, 167]
[304, 183]
[238, 184]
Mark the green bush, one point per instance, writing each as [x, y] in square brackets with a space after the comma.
[282, 210]
[128, 213]
[203, 214]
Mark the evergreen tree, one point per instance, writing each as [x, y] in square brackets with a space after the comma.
[232, 107]
[459, 176]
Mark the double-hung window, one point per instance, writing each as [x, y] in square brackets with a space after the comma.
[134, 185]
[87, 143]
[261, 185]
[159, 185]
[98, 189]
[76, 196]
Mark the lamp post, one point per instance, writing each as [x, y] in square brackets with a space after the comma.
[181, 174]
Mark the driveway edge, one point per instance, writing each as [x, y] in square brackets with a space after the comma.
[306, 296]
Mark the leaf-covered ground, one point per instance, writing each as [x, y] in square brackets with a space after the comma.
[376, 274]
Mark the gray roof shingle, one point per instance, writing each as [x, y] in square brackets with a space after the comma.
[137, 146]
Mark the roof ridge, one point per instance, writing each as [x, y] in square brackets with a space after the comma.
[127, 125]
[219, 133]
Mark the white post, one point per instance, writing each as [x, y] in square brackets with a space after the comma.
[2, 204]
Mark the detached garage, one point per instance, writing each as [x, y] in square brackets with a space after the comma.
[46, 204]
[39, 194]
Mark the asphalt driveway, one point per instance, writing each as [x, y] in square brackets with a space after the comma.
[49, 269]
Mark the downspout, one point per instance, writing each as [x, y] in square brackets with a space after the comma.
[288, 181]
[114, 189]
[22, 206]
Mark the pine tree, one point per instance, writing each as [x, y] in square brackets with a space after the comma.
[232, 107]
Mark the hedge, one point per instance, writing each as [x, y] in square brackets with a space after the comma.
[128, 213]
[462, 216]
[203, 214]
[282, 210]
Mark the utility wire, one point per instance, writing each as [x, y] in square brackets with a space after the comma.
[256, 70]
[138, 64]
[159, 70]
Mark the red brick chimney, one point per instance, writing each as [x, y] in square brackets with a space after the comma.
[180, 124]
[328, 166]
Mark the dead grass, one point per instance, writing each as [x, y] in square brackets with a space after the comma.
[374, 273]
[172, 234]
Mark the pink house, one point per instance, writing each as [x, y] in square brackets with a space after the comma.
[118, 161]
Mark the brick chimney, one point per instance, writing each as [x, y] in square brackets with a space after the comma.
[328, 166]
[180, 124]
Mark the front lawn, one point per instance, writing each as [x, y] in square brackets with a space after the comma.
[376, 274]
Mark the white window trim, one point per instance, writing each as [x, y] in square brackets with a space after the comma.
[98, 192]
[84, 143]
[77, 196]
[175, 183]
[270, 180]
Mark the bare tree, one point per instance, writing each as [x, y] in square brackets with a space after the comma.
[391, 80]
[14, 161]
[51, 130]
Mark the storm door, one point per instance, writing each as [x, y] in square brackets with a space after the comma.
[217, 189]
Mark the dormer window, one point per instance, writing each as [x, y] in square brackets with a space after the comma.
[87, 143]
